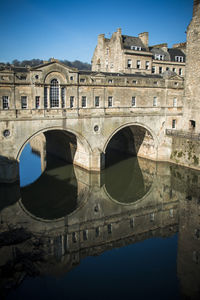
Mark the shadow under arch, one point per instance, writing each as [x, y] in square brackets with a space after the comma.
[130, 139]
[80, 139]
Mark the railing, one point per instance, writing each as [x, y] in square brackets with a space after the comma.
[88, 111]
[183, 134]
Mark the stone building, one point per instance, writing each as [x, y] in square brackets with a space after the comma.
[94, 106]
[192, 77]
[128, 54]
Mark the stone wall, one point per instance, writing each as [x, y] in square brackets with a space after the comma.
[185, 152]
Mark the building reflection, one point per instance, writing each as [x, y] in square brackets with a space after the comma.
[90, 218]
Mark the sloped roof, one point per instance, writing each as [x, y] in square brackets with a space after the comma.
[129, 41]
[176, 52]
[160, 51]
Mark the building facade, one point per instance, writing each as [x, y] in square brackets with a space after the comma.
[128, 54]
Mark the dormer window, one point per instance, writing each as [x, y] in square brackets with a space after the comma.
[136, 48]
[159, 57]
[179, 58]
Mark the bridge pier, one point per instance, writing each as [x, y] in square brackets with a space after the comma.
[92, 161]
[9, 170]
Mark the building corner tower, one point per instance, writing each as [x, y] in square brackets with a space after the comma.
[192, 77]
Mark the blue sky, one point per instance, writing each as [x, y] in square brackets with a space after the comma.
[69, 29]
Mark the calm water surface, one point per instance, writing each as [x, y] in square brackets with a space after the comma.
[131, 232]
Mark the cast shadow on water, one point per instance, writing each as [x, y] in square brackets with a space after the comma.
[115, 238]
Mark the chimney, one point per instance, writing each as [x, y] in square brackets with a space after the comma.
[144, 36]
[119, 31]
[101, 38]
[196, 5]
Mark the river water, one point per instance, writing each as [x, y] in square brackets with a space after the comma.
[130, 232]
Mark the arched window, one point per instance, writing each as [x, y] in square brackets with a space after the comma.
[54, 93]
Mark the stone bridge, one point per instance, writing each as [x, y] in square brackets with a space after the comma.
[82, 114]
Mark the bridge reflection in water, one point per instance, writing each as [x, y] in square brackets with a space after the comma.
[68, 214]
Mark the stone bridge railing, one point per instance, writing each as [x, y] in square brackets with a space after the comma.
[70, 112]
[183, 134]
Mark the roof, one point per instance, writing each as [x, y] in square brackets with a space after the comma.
[160, 51]
[176, 52]
[129, 41]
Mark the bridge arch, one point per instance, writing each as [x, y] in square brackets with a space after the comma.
[136, 138]
[82, 149]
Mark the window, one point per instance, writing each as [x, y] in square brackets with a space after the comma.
[110, 81]
[192, 124]
[180, 72]
[74, 238]
[133, 101]
[110, 101]
[167, 69]
[132, 222]
[159, 57]
[54, 93]
[85, 235]
[37, 102]
[173, 124]
[111, 65]
[96, 101]
[82, 80]
[109, 228]
[174, 70]
[138, 64]
[160, 70]
[23, 102]
[129, 63]
[71, 78]
[97, 231]
[5, 102]
[45, 97]
[147, 65]
[174, 102]
[153, 70]
[154, 101]
[63, 97]
[83, 101]
[152, 217]
[71, 104]
[179, 58]
[134, 81]
[136, 48]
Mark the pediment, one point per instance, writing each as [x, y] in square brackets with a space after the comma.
[55, 65]
[55, 69]
[172, 76]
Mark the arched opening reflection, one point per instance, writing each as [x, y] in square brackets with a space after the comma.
[47, 179]
[129, 180]
[54, 194]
